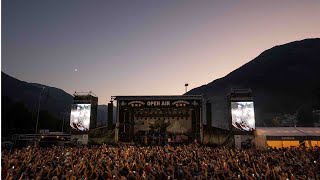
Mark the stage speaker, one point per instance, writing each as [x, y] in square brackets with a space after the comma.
[110, 115]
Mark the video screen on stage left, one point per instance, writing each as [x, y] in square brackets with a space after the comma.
[80, 117]
[243, 116]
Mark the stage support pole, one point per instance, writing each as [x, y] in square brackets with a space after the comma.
[116, 132]
[203, 117]
[201, 125]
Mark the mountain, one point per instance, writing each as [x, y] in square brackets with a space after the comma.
[54, 100]
[20, 97]
[284, 80]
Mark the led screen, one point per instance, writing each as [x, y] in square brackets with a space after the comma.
[243, 115]
[80, 116]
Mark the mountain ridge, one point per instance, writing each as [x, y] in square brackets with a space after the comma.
[54, 100]
[287, 72]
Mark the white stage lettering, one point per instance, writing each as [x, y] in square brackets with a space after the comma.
[158, 103]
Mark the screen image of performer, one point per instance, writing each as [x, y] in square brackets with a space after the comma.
[80, 117]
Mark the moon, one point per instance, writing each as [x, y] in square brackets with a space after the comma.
[76, 70]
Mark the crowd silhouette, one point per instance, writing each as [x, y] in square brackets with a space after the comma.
[160, 162]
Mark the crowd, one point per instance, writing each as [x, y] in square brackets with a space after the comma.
[159, 162]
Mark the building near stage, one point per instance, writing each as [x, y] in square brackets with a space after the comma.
[279, 137]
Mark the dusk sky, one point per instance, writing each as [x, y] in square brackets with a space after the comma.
[144, 47]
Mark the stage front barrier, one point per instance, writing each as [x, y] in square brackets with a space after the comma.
[80, 139]
[214, 139]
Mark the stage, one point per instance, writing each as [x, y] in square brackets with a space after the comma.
[157, 120]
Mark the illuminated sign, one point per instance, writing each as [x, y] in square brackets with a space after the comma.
[158, 103]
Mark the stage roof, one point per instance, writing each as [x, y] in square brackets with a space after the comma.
[288, 131]
[165, 97]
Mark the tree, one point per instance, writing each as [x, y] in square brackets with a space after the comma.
[304, 115]
[275, 122]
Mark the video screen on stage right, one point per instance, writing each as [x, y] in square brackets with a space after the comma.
[243, 116]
